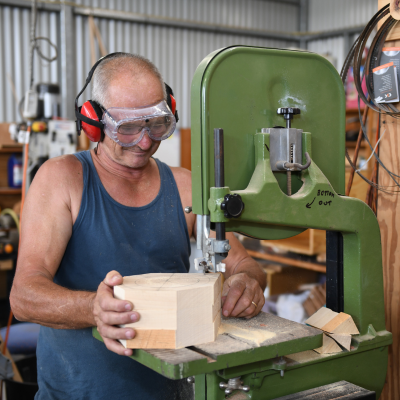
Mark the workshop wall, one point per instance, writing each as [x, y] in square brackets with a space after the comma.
[329, 15]
[14, 56]
[175, 51]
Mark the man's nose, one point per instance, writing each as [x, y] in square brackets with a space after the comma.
[146, 142]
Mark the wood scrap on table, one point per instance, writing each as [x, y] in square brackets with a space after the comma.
[333, 322]
[343, 340]
[338, 327]
[329, 346]
[176, 310]
[263, 330]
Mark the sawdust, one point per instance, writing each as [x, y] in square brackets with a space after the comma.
[256, 336]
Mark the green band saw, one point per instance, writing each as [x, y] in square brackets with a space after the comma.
[268, 161]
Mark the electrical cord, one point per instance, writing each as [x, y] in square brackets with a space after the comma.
[355, 56]
[35, 46]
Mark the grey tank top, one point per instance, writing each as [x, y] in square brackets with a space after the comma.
[132, 240]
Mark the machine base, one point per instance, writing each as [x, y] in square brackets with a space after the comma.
[340, 390]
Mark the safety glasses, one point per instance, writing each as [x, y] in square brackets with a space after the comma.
[127, 126]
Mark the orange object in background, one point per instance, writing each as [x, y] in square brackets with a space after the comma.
[8, 248]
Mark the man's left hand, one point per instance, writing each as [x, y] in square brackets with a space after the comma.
[242, 296]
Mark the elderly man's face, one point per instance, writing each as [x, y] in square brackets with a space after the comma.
[125, 91]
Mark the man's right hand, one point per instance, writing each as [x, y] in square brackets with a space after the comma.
[108, 312]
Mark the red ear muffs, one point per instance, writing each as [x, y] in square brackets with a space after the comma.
[171, 101]
[93, 111]
[173, 104]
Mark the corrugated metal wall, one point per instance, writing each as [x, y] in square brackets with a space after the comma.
[14, 55]
[328, 14]
[338, 14]
[175, 51]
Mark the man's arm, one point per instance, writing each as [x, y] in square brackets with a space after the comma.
[50, 210]
[244, 284]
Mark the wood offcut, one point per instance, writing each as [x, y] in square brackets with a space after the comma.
[176, 310]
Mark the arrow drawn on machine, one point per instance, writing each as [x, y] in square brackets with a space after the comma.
[308, 205]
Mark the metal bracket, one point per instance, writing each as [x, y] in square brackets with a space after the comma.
[234, 384]
[279, 365]
[211, 248]
[286, 166]
[285, 147]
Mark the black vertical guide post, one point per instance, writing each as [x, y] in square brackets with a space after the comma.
[219, 174]
[334, 271]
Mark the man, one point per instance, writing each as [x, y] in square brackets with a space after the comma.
[113, 209]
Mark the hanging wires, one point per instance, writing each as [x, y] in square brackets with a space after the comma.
[34, 45]
[355, 57]
[33, 42]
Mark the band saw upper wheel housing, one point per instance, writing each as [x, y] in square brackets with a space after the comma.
[239, 89]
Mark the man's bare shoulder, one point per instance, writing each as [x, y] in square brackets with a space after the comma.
[59, 171]
[58, 181]
[183, 178]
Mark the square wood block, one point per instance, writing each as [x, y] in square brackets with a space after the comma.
[176, 310]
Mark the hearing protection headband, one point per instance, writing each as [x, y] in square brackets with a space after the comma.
[82, 119]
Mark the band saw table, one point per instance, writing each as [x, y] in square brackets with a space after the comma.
[267, 181]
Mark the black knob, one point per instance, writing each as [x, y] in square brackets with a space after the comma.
[232, 205]
[288, 112]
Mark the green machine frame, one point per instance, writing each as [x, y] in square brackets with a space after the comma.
[239, 90]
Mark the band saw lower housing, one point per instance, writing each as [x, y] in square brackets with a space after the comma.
[239, 90]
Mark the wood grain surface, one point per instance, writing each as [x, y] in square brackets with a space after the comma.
[270, 328]
[389, 222]
[329, 346]
[176, 310]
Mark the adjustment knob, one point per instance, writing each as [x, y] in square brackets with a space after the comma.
[232, 205]
[288, 112]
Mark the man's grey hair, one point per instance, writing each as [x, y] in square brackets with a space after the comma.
[108, 68]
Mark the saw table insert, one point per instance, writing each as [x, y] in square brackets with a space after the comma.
[176, 310]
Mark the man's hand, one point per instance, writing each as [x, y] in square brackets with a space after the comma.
[108, 312]
[239, 294]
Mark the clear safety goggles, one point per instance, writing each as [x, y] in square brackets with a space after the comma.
[127, 126]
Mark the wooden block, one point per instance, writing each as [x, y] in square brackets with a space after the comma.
[329, 346]
[333, 322]
[176, 310]
[342, 323]
[321, 317]
[188, 335]
[151, 339]
[343, 340]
